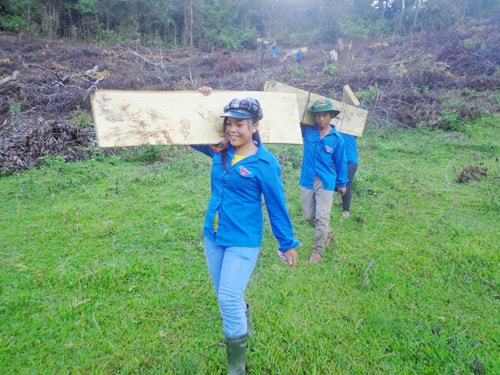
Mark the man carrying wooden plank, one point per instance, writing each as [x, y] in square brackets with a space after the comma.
[324, 170]
[317, 189]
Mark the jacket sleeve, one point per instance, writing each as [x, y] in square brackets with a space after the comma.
[274, 196]
[303, 129]
[205, 149]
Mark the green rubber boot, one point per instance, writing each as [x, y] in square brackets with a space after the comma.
[236, 353]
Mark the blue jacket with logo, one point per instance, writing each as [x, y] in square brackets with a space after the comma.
[324, 157]
[236, 197]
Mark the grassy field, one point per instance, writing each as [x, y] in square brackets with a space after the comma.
[102, 268]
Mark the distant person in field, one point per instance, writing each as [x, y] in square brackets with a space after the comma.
[324, 171]
[243, 172]
[275, 51]
[298, 56]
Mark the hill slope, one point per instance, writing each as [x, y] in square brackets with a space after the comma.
[418, 80]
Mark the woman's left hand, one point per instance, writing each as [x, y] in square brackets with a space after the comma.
[291, 258]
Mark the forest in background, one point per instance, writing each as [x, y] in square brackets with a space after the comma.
[445, 77]
[234, 24]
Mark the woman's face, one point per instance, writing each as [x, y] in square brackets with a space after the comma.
[239, 131]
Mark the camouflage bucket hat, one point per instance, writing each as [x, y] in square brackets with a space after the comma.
[323, 105]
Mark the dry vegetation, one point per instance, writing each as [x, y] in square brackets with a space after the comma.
[45, 107]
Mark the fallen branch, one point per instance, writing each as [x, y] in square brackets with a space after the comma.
[86, 77]
[12, 77]
[145, 59]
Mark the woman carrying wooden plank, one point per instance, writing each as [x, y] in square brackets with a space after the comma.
[243, 172]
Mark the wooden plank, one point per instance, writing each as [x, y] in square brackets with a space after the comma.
[294, 51]
[349, 97]
[351, 120]
[125, 118]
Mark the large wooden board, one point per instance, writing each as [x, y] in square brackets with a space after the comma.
[349, 97]
[125, 118]
[351, 120]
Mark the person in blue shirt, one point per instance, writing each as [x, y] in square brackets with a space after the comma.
[275, 51]
[351, 152]
[324, 171]
[243, 172]
[298, 56]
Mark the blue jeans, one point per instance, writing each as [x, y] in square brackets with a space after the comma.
[230, 269]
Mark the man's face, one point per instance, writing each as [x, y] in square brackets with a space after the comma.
[322, 119]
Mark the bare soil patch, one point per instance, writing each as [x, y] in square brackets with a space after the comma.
[414, 79]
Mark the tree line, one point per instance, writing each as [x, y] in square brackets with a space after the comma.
[233, 24]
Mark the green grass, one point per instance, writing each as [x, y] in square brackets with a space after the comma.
[102, 268]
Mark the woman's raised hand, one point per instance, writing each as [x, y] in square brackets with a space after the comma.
[205, 90]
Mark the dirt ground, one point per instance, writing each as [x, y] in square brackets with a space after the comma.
[45, 85]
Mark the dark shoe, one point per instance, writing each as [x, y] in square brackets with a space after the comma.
[236, 355]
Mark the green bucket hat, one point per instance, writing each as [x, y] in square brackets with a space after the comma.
[323, 105]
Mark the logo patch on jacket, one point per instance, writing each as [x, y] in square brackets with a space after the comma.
[328, 149]
[244, 171]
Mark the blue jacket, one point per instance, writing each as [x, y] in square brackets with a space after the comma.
[237, 199]
[351, 147]
[324, 157]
